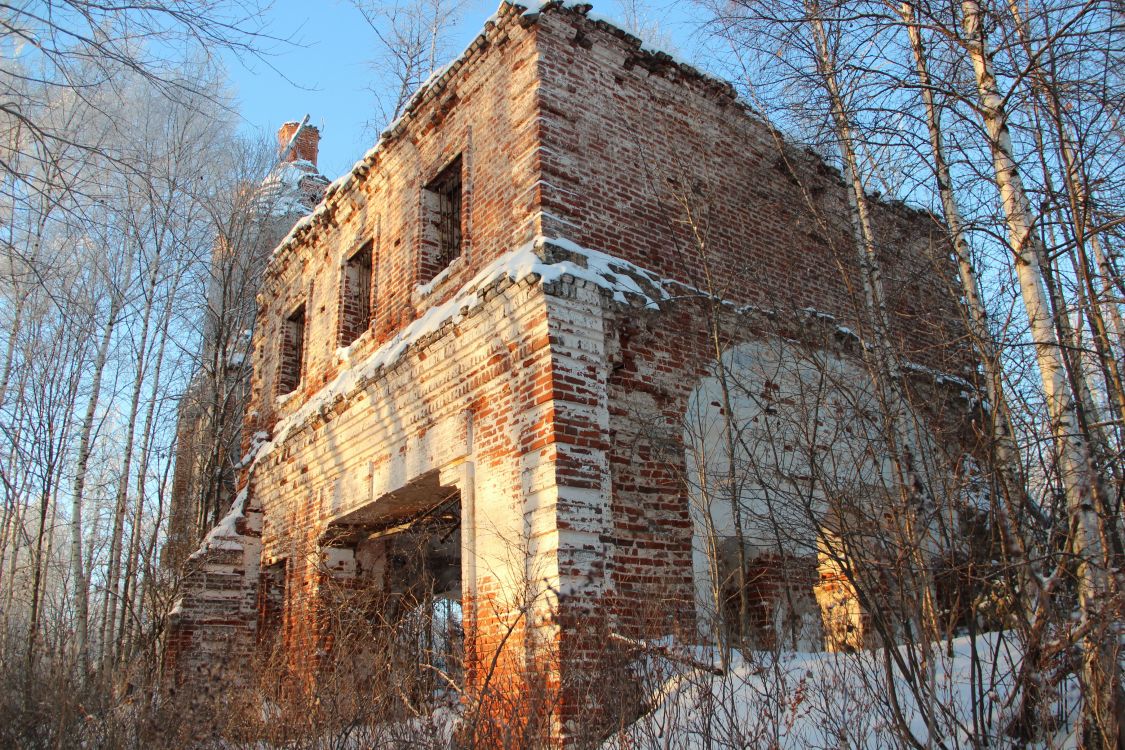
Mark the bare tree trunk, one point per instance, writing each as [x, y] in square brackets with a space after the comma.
[113, 574]
[1085, 501]
[131, 561]
[9, 562]
[910, 518]
[36, 584]
[9, 350]
[1105, 275]
[1014, 497]
[146, 588]
[11, 533]
[886, 361]
[78, 570]
[1013, 483]
[1079, 212]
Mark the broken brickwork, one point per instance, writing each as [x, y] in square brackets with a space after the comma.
[538, 372]
[209, 421]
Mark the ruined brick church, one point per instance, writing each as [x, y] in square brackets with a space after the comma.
[513, 326]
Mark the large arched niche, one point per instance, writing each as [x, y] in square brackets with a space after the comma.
[782, 440]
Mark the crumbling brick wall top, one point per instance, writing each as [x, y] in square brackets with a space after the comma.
[653, 162]
[480, 115]
[565, 126]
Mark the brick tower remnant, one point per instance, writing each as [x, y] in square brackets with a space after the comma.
[209, 422]
[500, 326]
[304, 147]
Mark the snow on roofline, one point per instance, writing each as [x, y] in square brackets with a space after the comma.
[626, 283]
[225, 535]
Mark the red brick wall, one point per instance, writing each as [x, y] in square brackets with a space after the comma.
[562, 408]
[410, 421]
[633, 146]
[305, 148]
[639, 154]
[486, 113]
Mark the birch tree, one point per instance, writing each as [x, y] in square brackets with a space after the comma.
[99, 264]
[1055, 56]
[1086, 495]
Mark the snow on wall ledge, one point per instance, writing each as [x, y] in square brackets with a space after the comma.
[225, 534]
[625, 282]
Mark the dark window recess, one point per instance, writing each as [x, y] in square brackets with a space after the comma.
[441, 231]
[292, 352]
[271, 601]
[355, 295]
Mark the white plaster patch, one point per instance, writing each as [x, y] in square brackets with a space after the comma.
[806, 426]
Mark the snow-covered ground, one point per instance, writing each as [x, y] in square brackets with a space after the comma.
[830, 700]
[962, 698]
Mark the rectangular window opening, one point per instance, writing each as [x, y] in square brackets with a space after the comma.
[292, 352]
[272, 593]
[441, 236]
[355, 295]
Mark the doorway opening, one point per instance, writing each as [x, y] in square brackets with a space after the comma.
[392, 596]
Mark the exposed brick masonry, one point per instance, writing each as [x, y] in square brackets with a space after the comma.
[554, 411]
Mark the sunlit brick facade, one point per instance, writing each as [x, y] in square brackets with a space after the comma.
[621, 220]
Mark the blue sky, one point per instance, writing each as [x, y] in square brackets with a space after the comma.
[325, 74]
